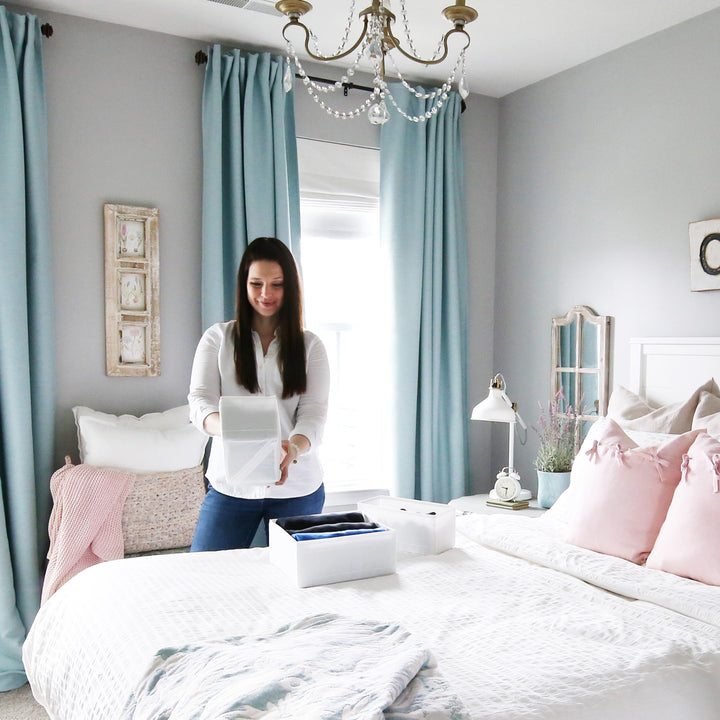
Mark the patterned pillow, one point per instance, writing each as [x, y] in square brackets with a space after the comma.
[161, 510]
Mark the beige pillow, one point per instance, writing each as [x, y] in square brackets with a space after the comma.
[161, 510]
[631, 412]
[707, 414]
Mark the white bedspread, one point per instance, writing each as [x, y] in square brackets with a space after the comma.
[515, 638]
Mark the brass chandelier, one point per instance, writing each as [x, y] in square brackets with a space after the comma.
[376, 42]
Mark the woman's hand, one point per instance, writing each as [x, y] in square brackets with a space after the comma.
[293, 448]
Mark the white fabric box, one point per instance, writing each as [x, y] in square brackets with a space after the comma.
[422, 527]
[335, 559]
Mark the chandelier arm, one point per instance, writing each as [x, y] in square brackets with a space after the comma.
[435, 61]
[325, 58]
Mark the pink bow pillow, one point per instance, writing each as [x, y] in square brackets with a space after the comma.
[620, 492]
[689, 540]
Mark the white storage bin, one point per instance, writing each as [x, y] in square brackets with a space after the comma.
[335, 559]
[251, 440]
[422, 527]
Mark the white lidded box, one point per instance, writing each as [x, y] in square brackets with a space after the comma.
[333, 559]
[422, 527]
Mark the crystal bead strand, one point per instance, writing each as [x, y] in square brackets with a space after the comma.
[462, 84]
[441, 93]
[406, 30]
[292, 58]
[433, 93]
[416, 118]
[344, 41]
[312, 89]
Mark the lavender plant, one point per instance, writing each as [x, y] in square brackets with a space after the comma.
[557, 429]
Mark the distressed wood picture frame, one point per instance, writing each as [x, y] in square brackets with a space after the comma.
[132, 292]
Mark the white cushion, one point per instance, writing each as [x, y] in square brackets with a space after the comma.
[156, 442]
[632, 412]
[707, 414]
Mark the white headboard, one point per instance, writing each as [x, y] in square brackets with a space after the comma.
[666, 370]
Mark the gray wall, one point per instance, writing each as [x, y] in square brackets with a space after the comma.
[480, 142]
[601, 169]
[124, 126]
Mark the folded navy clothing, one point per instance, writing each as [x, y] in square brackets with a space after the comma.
[298, 522]
[337, 527]
[322, 535]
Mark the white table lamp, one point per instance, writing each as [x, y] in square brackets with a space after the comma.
[497, 407]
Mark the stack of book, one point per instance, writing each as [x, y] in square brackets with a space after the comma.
[509, 504]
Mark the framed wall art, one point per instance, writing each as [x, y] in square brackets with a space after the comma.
[705, 255]
[132, 295]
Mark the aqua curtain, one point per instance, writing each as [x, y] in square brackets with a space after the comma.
[26, 337]
[422, 209]
[250, 174]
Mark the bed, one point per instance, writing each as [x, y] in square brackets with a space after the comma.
[512, 623]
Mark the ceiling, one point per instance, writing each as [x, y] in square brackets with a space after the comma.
[514, 42]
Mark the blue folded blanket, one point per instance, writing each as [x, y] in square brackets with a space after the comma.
[336, 527]
[322, 535]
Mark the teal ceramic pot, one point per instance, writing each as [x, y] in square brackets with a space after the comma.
[550, 486]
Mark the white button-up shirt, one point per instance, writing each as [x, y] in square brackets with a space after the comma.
[213, 375]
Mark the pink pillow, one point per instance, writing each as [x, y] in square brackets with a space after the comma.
[689, 541]
[621, 492]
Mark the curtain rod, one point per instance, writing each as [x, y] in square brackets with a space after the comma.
[201, 58]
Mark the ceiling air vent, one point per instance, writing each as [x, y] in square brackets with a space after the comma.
[263, 6]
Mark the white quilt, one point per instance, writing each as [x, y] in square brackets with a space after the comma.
[514, 638]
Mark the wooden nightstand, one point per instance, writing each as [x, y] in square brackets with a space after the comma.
[478, 504]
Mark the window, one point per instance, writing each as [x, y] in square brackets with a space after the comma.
[346, 299]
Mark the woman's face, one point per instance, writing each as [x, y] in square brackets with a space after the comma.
[265, 287]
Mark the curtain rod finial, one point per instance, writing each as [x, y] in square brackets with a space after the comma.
[46, 29]
[201, 57]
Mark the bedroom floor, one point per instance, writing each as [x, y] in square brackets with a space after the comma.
[20, 705]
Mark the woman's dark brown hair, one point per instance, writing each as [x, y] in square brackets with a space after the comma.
[290, 320]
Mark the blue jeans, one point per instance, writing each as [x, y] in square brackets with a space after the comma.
[227, 522]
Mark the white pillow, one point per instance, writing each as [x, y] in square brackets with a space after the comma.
[156, 442]
[707, 414]
[632, 412]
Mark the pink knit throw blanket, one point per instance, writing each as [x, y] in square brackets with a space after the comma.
[86, 521]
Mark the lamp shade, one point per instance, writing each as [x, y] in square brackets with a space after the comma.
[494, 408]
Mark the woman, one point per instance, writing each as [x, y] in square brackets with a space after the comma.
[264, 350]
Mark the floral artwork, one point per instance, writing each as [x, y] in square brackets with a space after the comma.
[131, 238]
[132, 291]
[132, 344]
